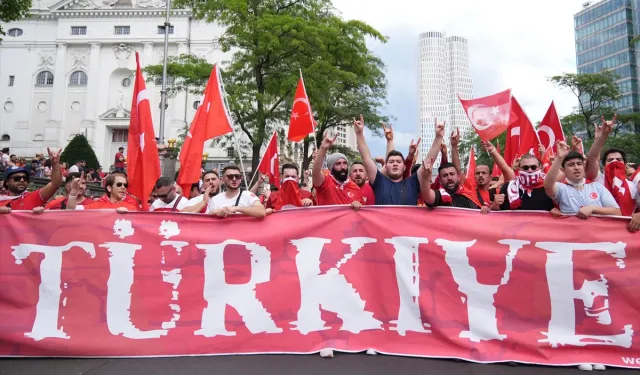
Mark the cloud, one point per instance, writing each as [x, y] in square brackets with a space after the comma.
[511, 45]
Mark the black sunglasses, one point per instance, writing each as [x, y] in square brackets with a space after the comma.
[119, 184]
[527, 167]
[20, 178]
[234, 176]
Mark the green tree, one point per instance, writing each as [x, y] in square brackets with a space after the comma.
[471, 139]
[629, 143]
[79, 149]
[272, 40]
[593, 92]
[13, 10]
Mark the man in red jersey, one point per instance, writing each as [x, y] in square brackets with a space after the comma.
[290, 194]
[116, 185]
[16, 182]
[81, 200]
[359, 176]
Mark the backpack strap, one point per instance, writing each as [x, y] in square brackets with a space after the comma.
[173, 209]
[238, 199]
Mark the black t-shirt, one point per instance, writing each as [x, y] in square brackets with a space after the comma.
[457, 200]
[538, 201]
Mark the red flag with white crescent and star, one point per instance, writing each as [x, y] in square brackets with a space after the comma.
[143, 166]
[528, 143]
[302, 122]
[489, 115]
[550, 129]
[211, 120]
[270, 165]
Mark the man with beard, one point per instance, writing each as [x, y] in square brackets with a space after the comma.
[392, 189]
[451, 193]
[577, 196]
[211, 187]
[333, 187]
[81, 199]
[234, 199]
[168, 199]
[526, 190]
[16, 182]
[359, 176]
[289, 195]
[116, 198]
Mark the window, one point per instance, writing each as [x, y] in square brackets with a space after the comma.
[161, 30]
[45, 78]
[231, 152]
[78, 30]
[196, 104]
[6, 138]
[12, 80]
[78, 78]
[14, 32]
[170, 81]
[120, 135]
[122, 30]
[126, 82]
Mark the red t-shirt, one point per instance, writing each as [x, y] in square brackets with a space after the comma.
[26, 201]
[119, 163]
[98, 205]
[332, 192]
[275, 197]
[367, 194]
[57, 203]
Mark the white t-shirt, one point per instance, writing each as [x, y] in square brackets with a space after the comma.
[74, 169]
[194, 201]
[6, 160]
[219, 201]
[159, 205]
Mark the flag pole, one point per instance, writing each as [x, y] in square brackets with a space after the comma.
[163, 91]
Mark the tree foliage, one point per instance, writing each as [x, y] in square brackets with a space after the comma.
[271, 41]
[79, 149]
[471, 139]
[594, 93]
[13, 10]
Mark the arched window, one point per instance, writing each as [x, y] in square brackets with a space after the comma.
[78, 78]
[196, 104]
[45, 78]
[6, 138]
[14, 32]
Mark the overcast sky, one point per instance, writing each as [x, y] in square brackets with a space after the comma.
[512, 44]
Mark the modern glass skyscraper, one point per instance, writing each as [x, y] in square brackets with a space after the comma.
[603, 33]
[444, 74]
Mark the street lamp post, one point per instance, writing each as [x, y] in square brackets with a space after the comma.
[163, 92]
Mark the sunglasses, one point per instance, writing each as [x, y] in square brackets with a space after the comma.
[20, 178]
[120, 184]
[529, 167]
[234, 176]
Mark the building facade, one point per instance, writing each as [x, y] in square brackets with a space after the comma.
[444, 75]
[603, 32]
[70, 69]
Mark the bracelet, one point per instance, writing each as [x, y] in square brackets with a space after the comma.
[73, 196]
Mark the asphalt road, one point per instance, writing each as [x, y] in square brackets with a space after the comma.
[352, 364]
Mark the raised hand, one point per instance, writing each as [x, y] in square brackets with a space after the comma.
[563, 149]
[607, 126]
[314, 155]
[261, 178]
[576, 144]
[379, 160]
[327, 142]
[488, 146]
[54, 156]
[427, 164]
[75, 184]
[455, 138]
[413, 147]
[388, 132]
[358, 126]
[206, 197]
[440, 127]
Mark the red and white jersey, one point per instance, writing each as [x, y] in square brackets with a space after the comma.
[176, 205]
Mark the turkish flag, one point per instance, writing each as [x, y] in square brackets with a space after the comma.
[528, 137]
[269, 165]
[550, 129]
[489, 115]
[546, 160]
[211, 120]
[470, 180]
[302, 122]
[496, 172]
[143, 167]
[512, 142]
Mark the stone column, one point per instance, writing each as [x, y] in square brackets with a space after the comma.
[59, 97]
[93, 87]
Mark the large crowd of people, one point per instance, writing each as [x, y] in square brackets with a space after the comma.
[571, 183]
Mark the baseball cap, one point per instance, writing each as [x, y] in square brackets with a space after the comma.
[13, 170]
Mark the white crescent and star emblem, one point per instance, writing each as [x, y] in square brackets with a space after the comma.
[550, 133]
[274, 159]
[142, 142]
[472, 118]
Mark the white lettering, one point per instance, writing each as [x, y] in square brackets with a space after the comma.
[45, 324]
[483, 322]
[332, 291]
[408, 278]
[559, 267]
[219, 294]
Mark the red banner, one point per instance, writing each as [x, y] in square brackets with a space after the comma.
[408, 281]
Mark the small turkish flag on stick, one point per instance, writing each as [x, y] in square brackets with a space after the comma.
[550, 129]
[302, 122]
[143, 166]
[269, 165]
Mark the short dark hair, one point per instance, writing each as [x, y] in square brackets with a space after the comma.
[230, 166]
[164, 182]
[5, 150]
[290, 166]
[195, 186]
[71, 176]
[120, 148]
[483, 165]
[572, 155]
[613, 151]
[210, 172]
[529, 156]
[394, 153]
[357, 162]
[445, 166]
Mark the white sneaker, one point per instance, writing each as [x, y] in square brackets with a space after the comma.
[326, 353]
[599, 367]
[586, 367]
[371, 352]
